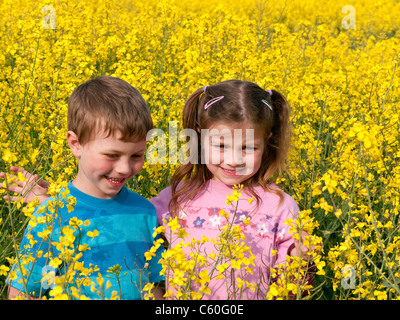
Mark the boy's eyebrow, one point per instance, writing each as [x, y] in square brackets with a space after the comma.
[119, 151]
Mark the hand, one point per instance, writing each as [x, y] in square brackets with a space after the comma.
[300, 249]
[29, 189]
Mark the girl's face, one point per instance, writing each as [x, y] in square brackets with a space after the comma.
[232, 153]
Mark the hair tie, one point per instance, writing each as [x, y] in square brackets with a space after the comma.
[269, 91]
[212, 101]
[204, 88]
[266, 102]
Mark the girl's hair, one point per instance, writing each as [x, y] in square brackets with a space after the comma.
[242, 102]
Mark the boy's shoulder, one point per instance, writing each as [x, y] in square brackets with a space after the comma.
[138, 199]
[126, 198]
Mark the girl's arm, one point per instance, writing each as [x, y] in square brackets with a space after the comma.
[299, 249]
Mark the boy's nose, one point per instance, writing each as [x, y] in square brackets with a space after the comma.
[123, 167]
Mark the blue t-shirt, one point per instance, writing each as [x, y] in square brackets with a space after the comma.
[125, 225]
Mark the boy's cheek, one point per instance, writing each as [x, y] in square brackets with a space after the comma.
[138, 167]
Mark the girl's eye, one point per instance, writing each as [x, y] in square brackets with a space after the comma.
[221, 146]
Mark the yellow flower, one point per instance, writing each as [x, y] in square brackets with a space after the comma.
[93, 233]
[224, 214]
[58, 294]
[182, 233]
[4, 270]
[380, 295]
[273, 291]
[21, 177]
[55, 262]
[240, 282]
[147, 289]
[174, 224]
[196, 295]
[235, 264]
[158, 230]
[8, 156]
[292, 288]
[149, 255]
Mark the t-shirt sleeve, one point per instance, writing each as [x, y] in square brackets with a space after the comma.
[161, 202]
[284, 239]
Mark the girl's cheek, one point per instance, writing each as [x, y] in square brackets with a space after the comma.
[249, 162]
[213, 155]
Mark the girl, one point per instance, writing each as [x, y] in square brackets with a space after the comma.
[243, 136]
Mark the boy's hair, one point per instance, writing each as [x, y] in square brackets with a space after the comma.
[111, 104]
[242, 102]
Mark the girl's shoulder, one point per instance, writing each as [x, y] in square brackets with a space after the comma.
[274, 195]
[162, 196]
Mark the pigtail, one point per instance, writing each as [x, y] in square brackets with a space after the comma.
[188, 176]
[190, 112]
[278, 140]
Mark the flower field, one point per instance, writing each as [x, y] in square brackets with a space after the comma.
[339, 70]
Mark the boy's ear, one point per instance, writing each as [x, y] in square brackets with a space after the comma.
[74, 144]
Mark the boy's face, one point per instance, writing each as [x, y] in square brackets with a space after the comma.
[105, 164]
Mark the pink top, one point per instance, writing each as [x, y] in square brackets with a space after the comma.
[265, 232]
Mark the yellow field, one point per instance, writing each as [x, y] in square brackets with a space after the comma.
[338, 70]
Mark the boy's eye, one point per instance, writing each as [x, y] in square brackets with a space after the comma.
[112, 156]
[137, 156]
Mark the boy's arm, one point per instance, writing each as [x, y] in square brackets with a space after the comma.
[13, 293]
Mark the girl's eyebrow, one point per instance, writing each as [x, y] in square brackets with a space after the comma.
[220, 134]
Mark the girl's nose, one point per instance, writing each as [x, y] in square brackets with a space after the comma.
[238, 159]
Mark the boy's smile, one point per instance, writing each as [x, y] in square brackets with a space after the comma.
[106, 163]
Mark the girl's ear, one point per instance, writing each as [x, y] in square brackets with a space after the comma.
[74, 144]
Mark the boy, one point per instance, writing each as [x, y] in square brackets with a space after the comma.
[108, 121]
